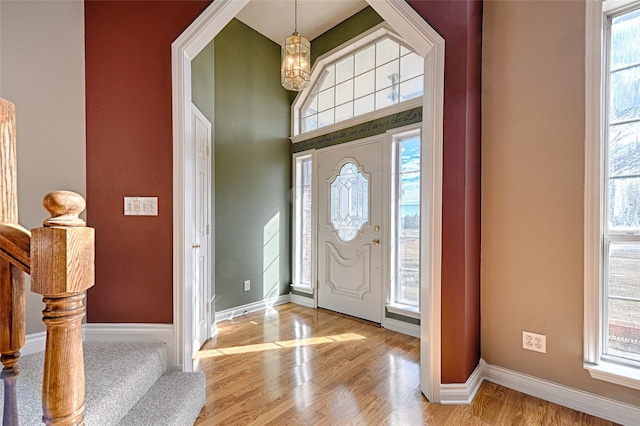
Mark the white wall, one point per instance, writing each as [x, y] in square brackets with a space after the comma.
[42, 73]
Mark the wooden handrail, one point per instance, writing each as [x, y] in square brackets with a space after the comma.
[60, 258]
[15, 246]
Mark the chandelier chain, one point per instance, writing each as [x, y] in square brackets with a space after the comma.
[295, 13]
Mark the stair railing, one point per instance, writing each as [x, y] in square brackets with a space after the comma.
[60, 258]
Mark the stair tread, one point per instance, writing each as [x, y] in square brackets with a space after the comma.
[174, 400]
[131, 368]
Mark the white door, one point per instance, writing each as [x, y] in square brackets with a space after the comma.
[201, 242]
[349, 224]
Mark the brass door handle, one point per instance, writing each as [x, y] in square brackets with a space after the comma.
[196, 246]
[376, 242]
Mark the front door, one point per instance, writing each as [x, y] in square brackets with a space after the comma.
[349, 220]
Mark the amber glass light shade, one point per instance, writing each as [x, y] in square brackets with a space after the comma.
[296, 59]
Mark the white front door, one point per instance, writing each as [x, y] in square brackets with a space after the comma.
[349, 229]
[201, 242]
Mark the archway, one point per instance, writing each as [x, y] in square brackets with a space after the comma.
[426, 42]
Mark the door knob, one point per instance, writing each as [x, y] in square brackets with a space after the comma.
[376, 242]
[196, 246]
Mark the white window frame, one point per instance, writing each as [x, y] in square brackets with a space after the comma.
[394, 136]
[297, 247]
[597, 14]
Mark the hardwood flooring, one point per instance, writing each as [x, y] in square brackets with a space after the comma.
[293, 365]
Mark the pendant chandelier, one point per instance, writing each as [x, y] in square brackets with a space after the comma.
[296, 59]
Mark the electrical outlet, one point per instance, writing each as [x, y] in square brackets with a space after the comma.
[247, 285]
[534, 342]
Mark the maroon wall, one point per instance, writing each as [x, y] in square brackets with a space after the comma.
[460, 24]
[129, 152]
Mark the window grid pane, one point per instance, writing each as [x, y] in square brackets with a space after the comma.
[623, 328]
[380, 75]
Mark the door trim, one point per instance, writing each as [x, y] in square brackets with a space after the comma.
[425, 41]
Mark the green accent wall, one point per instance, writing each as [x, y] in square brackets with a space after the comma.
[362, 21]
[202, 81]
[252, 169]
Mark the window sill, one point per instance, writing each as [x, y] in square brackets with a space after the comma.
[614, 373]
[404, 310]
[302, 288]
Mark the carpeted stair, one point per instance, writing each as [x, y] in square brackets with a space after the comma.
[126, 384]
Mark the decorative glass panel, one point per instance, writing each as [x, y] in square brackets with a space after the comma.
[349, 202]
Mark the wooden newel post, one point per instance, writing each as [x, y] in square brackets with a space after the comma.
[62, 269]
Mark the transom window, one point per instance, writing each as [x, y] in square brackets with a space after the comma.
[380, 74]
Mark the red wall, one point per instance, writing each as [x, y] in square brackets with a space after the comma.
[460, 24]
[129, 153]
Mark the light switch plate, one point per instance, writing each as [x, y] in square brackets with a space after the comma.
[141, 206]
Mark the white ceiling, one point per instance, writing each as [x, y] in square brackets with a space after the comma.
[275, 18]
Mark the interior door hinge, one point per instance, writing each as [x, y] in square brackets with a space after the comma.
[207, 229]
[207, 150]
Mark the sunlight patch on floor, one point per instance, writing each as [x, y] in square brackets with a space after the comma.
[235, 350]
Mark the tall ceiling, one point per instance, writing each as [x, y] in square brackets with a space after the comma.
[275, 19]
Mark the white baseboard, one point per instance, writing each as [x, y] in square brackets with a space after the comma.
[463, 393]
[301, 300]
[401, 327]
[251, 307]
[133, 332]
[34, 343]
[585, 402]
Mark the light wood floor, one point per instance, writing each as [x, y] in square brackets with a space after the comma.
[293, 365]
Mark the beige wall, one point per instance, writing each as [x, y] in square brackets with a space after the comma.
[532, 213]
[42, 73]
